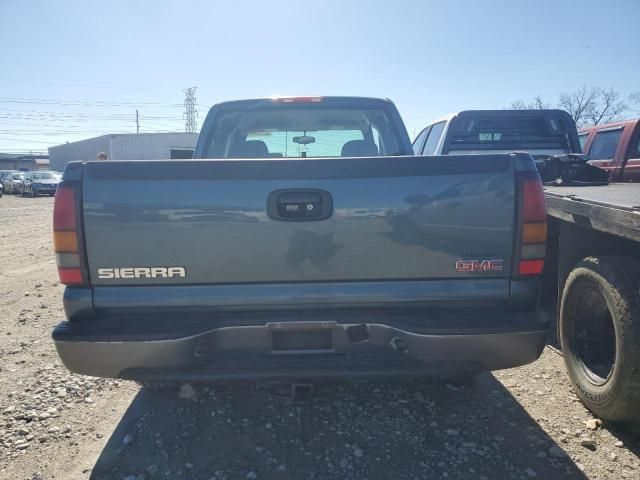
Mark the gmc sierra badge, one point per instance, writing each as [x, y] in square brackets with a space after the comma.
[142, 272]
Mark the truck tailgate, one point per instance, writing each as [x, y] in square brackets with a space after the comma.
[389, 219]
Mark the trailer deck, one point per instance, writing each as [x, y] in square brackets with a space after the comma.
[613, 209]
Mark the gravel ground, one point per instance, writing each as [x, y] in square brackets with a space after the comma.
[522, 423]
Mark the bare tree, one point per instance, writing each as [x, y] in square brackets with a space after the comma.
[607, 107]
[537, 104]
[580, 103]
[634, 101]
[588, 105]
[518, 105]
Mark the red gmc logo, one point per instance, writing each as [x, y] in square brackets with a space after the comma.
[479, 265]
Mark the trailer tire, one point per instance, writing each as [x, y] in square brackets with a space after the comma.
[600, 301]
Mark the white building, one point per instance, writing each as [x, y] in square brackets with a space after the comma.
[142, 146]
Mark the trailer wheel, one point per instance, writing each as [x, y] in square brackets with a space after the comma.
[600, 335]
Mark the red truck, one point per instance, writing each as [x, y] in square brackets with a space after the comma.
[614, 147]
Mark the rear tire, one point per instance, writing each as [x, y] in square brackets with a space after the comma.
[600, 335]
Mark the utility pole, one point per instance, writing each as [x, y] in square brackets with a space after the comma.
[137, 122]
[190, 112]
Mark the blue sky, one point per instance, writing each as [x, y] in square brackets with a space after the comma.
[58, 60]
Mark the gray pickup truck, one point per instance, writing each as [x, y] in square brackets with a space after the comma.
[304, 240]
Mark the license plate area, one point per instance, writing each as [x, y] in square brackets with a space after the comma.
[307, 340]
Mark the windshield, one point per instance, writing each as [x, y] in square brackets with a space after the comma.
[17, 176]
[276, 131]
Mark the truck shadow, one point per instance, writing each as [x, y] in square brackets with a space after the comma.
[374, 430]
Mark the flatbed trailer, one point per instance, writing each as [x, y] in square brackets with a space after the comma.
[593, 271]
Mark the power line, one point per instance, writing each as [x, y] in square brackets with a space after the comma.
[94, 133]
[163, 125]
[26, 121]
[10, 140]
[80, 116]
[95, 103]
[84, 112]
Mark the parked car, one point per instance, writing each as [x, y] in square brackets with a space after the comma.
[349, 258]
[592, 269]
[40, 183]
[13, 182]
[614, 147]
[20, 188]
[5, 173]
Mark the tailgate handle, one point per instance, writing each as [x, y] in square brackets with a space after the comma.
[299, 205]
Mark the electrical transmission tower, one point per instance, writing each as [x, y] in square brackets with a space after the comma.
[190, 113]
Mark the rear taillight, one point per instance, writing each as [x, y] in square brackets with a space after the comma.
[66, 240]
[532, 225]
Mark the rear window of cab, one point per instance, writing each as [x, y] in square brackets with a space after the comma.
[301, 131]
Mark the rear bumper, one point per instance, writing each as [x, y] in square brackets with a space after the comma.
[273, 349]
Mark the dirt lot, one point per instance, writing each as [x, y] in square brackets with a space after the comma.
[523, 423]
